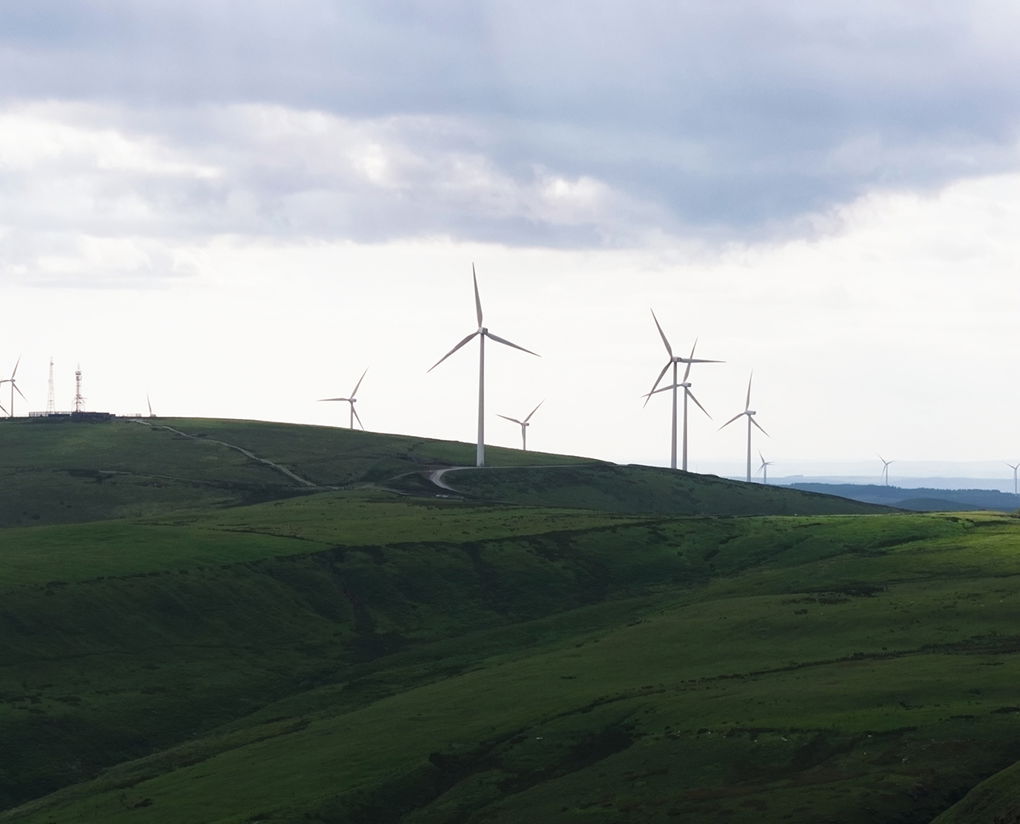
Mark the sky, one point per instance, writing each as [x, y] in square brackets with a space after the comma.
[235, 208]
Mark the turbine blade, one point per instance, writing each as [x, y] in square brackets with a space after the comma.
[767, 435]
[2, 409]
[731, 420]
[690, 395]
[690, 360]
[16, 364]
[478, 300]
[662, 334]
[334, 399]
[455, 348]
[354, 394]
[533, 411]
[504, 341]
[669, 363]
[504, 417]
[748, 404]
[357, 417]
[18, 390]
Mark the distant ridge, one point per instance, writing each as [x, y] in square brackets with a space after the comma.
[923, 499]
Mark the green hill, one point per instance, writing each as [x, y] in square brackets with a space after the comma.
[311, 630]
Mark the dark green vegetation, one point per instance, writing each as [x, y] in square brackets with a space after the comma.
[646, 489]
[920, 499]
[345, 644]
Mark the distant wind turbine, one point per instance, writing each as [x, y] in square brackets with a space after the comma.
[677, 384]
[482, 333]
[1014, 467]
[524, 426]
[764, 468]
[750, 413]
[885, 469]
[351, 400]
[149, 404]
[14, 387]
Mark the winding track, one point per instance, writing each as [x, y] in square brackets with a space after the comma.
[248, 454]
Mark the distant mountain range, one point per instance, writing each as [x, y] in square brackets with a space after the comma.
[919, 499]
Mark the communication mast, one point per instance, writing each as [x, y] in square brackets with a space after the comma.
[79, 400]
[51, 404]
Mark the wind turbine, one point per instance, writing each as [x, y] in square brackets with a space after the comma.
[351, 400]
[750, 413]
[1014, 467]
[481, 334]
[685, 385]
[524, 426]
[764, 468]
[885, 469]
[149, 404]
[14, 387]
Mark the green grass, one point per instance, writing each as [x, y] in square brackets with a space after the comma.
[644, 489]
[559, 646]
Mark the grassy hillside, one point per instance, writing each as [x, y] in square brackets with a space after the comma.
[644, 489]
[557, 645]
[73, 472]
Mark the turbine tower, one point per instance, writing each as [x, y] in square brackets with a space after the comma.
[524, 426]
[12, 380]
[749, 413]
[351, 400]
[885, 469]
[685, 385]
[51, 403]
[1014, 467]
[482, 333]
[764, 468]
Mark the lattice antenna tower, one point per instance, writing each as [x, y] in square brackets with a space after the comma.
[79, 399]
[51, 404]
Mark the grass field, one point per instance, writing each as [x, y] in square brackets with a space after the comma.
[560, 645]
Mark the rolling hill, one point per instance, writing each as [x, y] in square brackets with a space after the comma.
[228, 621]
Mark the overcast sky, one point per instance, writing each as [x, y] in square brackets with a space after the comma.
[237, 207]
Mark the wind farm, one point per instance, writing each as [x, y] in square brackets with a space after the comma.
[364, 579]
[539, 588]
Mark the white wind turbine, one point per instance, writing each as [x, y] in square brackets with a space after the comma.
[351, 400]
[1014, 467]
[764, 468]
[482, 333]
[684, 384]
[885, 469]
[524, 426]
[14, 387]
[750, 413]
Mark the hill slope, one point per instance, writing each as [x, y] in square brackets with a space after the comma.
[368, 655]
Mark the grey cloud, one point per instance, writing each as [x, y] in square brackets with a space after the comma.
[704, 118]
